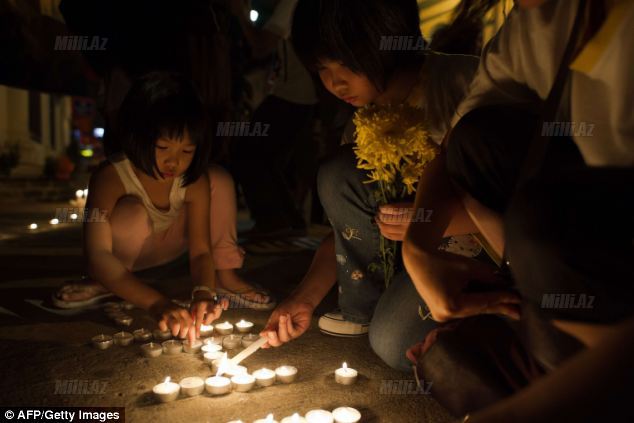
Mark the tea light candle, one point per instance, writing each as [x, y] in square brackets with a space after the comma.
[268, 419]
[264, 377]
[210, 356]
[166, 391]
[33, 226]
[235, 371]
[218, 385]
[206, 330]
[225, 328]
[295, 418]
[319, 416]
[192, 386]
[172, 347]
[346, 415]
[192, 347]
[151, 349]
[123, 320]
[345, 375]
[249, 339]
[102, 341]
[286, 374]
[242, 382]
[162, 335]
[123, 338]
[231, 342]
[210, 347]
[54, 221]
[142, 335]
[243, 326]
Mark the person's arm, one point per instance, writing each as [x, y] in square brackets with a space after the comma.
[591, 386]
[262, 41]
[102, 266]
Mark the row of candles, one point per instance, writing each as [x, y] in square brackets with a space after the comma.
[80, 200]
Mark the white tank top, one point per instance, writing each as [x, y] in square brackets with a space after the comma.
[161, 220]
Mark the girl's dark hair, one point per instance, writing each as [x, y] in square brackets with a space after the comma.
[356, 33]
[162, 104]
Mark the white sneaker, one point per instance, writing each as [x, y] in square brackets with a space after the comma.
[334, 324]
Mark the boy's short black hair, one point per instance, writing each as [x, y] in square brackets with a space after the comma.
[162, 104]
[352, 32]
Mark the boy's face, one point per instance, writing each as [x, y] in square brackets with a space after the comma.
[351, 87]
[173, 156]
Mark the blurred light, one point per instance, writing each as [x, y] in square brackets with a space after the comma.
[86, 153]
[79, 193]
[86, 193]
[98, 132]
[54, 221]
[33, 226]
[73, 216]
[254, 15]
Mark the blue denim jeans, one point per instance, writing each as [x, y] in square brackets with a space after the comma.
[393, 313]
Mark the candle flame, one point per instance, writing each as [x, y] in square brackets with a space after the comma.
[222, 367]
[167, 380]
[345, 366]
[295, 417]
[269, 418]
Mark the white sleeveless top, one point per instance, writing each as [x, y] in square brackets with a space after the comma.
[161, 220]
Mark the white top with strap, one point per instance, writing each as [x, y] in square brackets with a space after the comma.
[161, 220]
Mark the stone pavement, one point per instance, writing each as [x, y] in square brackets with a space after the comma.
[43, 349]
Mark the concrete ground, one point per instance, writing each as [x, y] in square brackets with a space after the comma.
[43, 350]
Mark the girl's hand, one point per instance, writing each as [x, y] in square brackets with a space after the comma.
[173, 317]
[205, 310]
[394, 219]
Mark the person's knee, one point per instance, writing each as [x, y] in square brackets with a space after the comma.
[129, 217]
[390, 350]
[335, 173]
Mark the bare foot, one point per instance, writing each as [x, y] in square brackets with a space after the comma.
[229, 280]
[81, 290]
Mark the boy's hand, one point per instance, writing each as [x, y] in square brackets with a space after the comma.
[287, 322]
[394, 219]
[204, 310]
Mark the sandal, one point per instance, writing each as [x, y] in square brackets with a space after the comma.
[78, 286]
[238, 299]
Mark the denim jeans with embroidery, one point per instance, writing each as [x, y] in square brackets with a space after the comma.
[394, 313]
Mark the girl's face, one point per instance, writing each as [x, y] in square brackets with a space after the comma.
[173, 156]
[351, 87]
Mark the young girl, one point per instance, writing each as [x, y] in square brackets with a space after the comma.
[371, 53]
[161, 199]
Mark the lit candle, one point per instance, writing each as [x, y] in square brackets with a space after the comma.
[172, 347]
[295, 418]
[225, 328]
[123, 320]
[345, 375]
[264, 377]
[33, 226]
[242, 382]
[210, 356]
[235, 370]
[268, 419]
[319, 416]
[286, 374]
[192, 386]
[161, 335]
[54, 221]
[346, 415]
[231, 341]
[243, 326]
[167, 391]
[218, 385]
[210, 347]
[192, 347]
[102, 341]
[123, 338]
[249, 339]
[73, 216]
[214, 340]
[79, 193]
[142, 335]
[151, 349]
[206, 330]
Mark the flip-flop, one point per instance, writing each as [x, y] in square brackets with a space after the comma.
[58, 302]
[237, 299]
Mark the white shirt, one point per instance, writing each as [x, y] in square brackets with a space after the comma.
[520, 63]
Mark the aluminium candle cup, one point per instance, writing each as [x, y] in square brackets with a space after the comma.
[166, 391]
[123, 321]
[209, 347]
[242, 382]
[319, 416]
[235, 371]
[123, 338]
[218, 385]
[151, 349]
[225, 328]
[172, 347]
[295, 418]
[249, 339]
[210, 356]
[231, 342]
[346, 376]
[142, 335]
[192, 348]
[346, 415]
[102, 342]
[286, 374]
[192, 386]
[243, 326]
[161, 335]
[206, 331]
[264, 377]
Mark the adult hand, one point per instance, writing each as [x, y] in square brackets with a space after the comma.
[287, 322]
[394, 219]
[172, 317]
